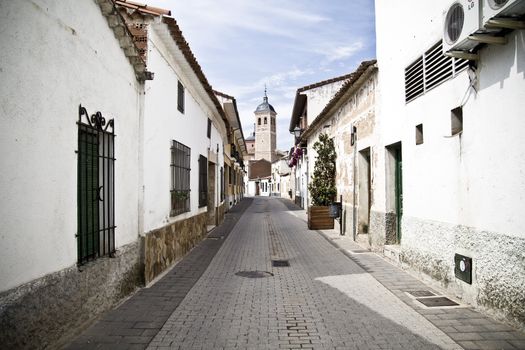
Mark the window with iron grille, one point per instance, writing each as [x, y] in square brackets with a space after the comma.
[222, 183]
[203, 181]
[430, 70]
[180, 178]
[180, 97]
[95, 187]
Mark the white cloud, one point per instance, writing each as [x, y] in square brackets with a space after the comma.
[343, 52]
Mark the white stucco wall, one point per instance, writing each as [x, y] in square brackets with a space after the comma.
[466, 193]
[319, 97]
[163, 123]
[58, 55]
[471, 174]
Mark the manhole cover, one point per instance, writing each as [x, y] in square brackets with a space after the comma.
[280, 263]
[254, 274]
[436, 301]
[421, 293]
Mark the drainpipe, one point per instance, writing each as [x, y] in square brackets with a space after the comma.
[353, 137]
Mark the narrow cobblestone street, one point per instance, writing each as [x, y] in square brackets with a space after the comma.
[327, 298]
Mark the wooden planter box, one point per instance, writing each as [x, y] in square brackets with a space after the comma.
[319, 218]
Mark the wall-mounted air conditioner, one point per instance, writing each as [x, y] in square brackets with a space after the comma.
[461, 19]
[502, 10]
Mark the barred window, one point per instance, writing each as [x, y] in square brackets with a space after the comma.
[95, 187]
[180, 178]
[203, 181]
[222, 184]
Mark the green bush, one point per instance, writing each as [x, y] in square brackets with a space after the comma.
[322, 188]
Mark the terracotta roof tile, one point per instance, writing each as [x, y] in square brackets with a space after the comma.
[146, 9]
[354, 77]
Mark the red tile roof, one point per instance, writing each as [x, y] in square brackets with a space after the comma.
[143, 8]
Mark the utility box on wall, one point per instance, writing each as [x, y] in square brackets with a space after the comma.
[463, 268]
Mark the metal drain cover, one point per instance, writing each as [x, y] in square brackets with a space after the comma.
[280, 263]
[254, 274]
[436, 301]
[421, 293]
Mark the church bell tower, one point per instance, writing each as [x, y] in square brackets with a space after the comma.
[265, 128]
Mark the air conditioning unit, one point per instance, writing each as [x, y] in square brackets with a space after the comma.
[460, 20]
[502, 9]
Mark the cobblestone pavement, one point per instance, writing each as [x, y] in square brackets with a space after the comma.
[323, 300]
[135, 322]
[334, 295]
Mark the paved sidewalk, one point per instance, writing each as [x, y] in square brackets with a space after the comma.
[468, 327]
[134, 323]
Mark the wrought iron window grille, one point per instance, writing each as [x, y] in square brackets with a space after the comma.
[95, 186]
[203, 181]
[180, 178]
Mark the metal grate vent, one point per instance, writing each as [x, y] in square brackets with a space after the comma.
[430, 70]
[421, 293]
[280, 263]
[437, 302]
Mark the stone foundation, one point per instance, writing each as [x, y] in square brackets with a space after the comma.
[498, 263]
[382, 229]
[46, 312]
[167, 245]
[220, 213]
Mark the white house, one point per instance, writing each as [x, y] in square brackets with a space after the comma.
[456, 128]
[185, 134]
[280, 184]
[235, 152]
[70, 99]
[309, 102]
[349, 118]
[113, 146]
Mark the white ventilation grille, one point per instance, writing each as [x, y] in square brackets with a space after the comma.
[430, 70]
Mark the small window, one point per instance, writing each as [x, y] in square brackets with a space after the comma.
[209, 129]
[456, 121]
[259, 121]
[203, 181]
[419, 134]
[180, 97]
[265, 120]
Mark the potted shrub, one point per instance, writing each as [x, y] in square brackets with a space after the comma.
[322, 187]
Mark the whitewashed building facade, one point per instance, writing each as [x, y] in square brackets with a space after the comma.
[456, 128]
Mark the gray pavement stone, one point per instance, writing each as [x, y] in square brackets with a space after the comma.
[298, 307]
[134, 323]
[328, 298]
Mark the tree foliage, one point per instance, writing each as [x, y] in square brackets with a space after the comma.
[322, 188]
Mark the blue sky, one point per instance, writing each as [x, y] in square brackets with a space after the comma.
[242, 45]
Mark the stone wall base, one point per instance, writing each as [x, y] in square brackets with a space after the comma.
[498, 270]
[46, 312]
[167, 245]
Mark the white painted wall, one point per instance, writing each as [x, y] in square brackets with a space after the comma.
[319, 97]
[462, 194]
[472, 175]
[84, 64]
[164, 123]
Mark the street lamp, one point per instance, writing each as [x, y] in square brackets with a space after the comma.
[297, 132]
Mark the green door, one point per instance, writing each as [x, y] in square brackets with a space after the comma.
[399, 193]
[88, 197]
